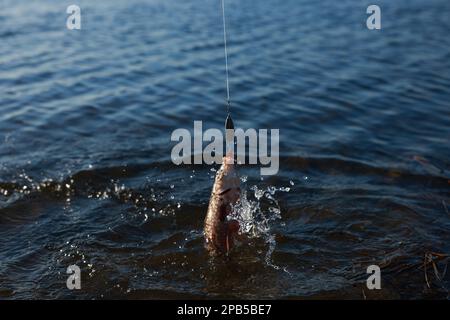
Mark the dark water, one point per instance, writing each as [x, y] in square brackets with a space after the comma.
[85, 170]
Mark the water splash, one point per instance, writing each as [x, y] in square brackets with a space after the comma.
[146, 200]
[256, 212]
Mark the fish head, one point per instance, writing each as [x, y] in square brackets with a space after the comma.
[227, 184]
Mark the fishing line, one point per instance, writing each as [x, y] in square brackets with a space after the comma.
[226, 56]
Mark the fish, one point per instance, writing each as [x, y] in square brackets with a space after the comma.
[219, 231]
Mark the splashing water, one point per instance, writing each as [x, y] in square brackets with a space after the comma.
[256, 212]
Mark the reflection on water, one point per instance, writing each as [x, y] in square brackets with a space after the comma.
[85, 170]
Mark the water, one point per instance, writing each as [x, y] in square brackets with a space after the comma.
[85, 170]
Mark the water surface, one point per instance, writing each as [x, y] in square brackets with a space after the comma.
[85, 124]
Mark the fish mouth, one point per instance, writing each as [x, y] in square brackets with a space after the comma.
[228, 160]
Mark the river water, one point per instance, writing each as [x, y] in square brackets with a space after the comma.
[86, 176]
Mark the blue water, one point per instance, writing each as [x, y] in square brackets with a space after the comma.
[85, 124]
